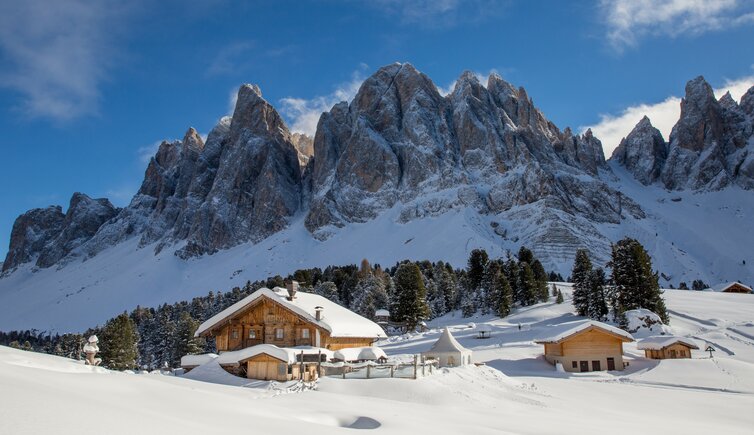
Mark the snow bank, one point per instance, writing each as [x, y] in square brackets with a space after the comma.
[643, 323]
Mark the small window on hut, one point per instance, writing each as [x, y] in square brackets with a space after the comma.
[234, 334]
[279, 334]
[574, 364]
[252, 333]
[304, 333]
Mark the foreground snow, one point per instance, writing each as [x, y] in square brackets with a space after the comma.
[516, 392]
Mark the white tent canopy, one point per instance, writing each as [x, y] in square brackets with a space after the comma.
[448, 351]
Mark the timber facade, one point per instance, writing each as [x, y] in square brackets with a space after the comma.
[593, 349]
[266, 321]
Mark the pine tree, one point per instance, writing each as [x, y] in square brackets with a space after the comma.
[489, 290]
[525, 255]
[411, 306]
[328, 290]
[504, 295]
[118, 343]
[186, 343]
[636, 285]
[597, 306]
[527, 285]
[478, 260]
[512, 272]
[582, 267]
[559, 298]
[540, 276]
[369, 296]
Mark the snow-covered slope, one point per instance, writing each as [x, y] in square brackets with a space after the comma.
[516, 392]
[400, 172]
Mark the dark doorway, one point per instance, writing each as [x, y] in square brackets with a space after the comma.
[611, 363]
[596, 366]
[672, 354]
[584, 366]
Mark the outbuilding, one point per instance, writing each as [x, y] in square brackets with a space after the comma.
[190, 362]
[585, 346]
[667, 347]
[271, 363]
[731, 287]
[448, 351]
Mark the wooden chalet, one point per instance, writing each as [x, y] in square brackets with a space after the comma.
[585, 346]
[731, 287]
[667, 347]
[289, 318]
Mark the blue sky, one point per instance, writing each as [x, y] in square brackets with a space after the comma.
[88, 90]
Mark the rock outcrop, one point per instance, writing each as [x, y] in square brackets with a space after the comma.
[47, 235]
[400, 143]
[643, 152]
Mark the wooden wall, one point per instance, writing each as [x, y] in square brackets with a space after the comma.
[674, 351]
[593, 347]
[265, 317]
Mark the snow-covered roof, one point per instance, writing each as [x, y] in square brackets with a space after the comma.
[369, 353]
[447, 343]
[558, 333]
[662, 341]
[286, 354]
[484, 327]
[726, 285]
[382, 312]
[337, 320]
[197, 360]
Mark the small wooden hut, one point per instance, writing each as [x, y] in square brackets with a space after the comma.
[585, 346]
[731, 287]
[667, 347]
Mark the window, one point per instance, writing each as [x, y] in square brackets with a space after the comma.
[451, 361]
[574, 364]
[252, 333]
[279, 334]
[234, 334]
[683, 353]
[304, 333]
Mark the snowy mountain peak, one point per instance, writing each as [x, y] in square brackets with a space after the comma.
[192, 140]
[642, 152]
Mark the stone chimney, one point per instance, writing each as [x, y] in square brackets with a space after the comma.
[292, 288]
[318, 312]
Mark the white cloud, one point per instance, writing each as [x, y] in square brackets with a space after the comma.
[57, 54]
[627, 21]
[232, 58]
[146, 153]
[613, 128]
[304, 114]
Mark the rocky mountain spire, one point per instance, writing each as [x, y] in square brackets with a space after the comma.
[642, 152]
[710, 146]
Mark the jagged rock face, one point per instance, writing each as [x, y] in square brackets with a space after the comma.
[711, 145]
[643, 152]
[401, 142]
[30, 234]
[305, 146]
[48, 235]
[241, 185]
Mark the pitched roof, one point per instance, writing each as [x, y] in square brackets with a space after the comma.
[662, 341]
[285, 354]
[197, 360]
[337, 320]
[447, 343]
[558, 333]
[726, 285]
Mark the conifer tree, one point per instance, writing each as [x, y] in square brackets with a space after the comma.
[597, 306]
[411, 306]
[582, 267]
[328, 290]
[504, 295]
[636, 285]
[540, 277]
[527, 285]
[559, 297]
[186, 343]
[118, 343]
[478, 260]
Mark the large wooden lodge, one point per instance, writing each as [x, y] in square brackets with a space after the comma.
[280, 334]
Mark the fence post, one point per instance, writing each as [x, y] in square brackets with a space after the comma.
[368, 367]
[416, 365]
[392, 371]
[319, 363]
[344, 369]
[424, 365]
